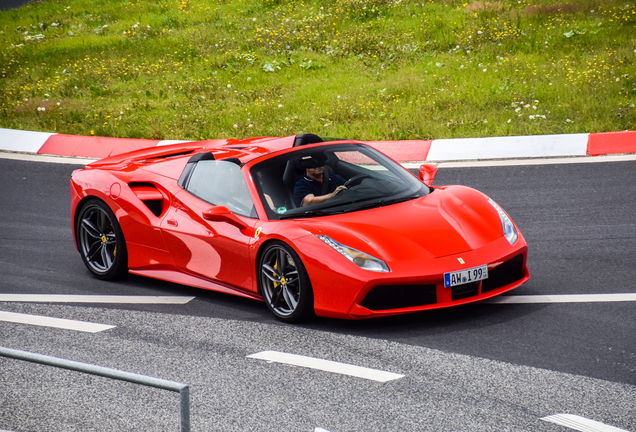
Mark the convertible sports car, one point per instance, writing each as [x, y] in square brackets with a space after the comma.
[221, 215]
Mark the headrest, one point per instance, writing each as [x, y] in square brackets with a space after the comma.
[313, 161]
[201, 156]
[308, 138]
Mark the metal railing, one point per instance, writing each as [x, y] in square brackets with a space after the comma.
[182, 389]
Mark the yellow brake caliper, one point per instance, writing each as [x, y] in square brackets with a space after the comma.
[282, 280]
[275, 275]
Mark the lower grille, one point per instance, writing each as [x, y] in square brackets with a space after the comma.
[385, 297]
[466, 290]
[504, 274]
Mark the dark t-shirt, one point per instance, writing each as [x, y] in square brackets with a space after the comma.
[306, 186]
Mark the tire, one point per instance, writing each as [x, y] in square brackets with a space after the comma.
[100, 241]
[287, 291]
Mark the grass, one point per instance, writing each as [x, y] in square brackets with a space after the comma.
[369, 70]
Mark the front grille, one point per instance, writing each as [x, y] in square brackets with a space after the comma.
[504, 274]
[385, 297]
[466, 290]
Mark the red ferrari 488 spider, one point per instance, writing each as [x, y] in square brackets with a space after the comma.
[332, 228]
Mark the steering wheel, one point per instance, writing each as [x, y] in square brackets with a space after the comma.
[357, 179]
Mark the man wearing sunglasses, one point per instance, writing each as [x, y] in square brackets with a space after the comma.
[314, 188]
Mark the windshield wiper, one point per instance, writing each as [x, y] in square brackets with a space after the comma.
[306, 213]
[382, 202]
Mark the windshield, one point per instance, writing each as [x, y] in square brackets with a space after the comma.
[332, 179]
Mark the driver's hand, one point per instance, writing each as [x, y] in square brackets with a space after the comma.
[338, 189]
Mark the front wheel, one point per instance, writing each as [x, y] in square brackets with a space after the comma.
[284, 283]
[101, 241]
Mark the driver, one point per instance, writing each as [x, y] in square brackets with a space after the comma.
[308, 190]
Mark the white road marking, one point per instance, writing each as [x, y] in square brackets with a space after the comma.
[62, 298]
[326, 365]
[563, 298]
[581, 423]
[53, 322]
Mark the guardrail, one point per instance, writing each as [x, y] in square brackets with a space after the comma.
[182, 389]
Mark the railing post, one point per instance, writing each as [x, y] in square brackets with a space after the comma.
[182, 389]
[185, 409]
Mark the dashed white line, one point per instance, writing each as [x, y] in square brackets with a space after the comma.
[326, 365]
[63, 298]
[563, 298]
[53, 322]
[580, 423]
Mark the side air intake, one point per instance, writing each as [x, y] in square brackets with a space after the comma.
[150, 196]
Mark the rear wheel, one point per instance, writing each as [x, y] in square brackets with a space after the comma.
[284, 283]
[100, 241]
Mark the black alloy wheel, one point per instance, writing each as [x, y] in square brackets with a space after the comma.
[284, 283]
[101, 241]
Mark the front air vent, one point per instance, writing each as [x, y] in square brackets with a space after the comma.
[459, 292]
[385, 297]
[504, 274]
[150, 196]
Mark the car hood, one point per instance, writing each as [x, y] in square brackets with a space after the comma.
[448, 221]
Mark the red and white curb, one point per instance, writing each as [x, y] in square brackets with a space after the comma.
[440, 150]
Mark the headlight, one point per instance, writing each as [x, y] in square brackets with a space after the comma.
[509, 231]
[361, 259]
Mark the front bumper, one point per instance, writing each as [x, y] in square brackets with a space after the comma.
[413, 286]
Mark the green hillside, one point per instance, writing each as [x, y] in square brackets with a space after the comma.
[369, 70]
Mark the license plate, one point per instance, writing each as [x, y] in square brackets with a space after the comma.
[461, 277]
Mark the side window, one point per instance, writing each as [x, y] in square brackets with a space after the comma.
[221, 183]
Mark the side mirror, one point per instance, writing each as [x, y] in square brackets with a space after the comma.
[223, 214]
[427, 174]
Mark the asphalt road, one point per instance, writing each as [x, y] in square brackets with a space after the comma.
[477, 367]
[12, 4]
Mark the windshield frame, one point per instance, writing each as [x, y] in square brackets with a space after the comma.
[272, 182]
